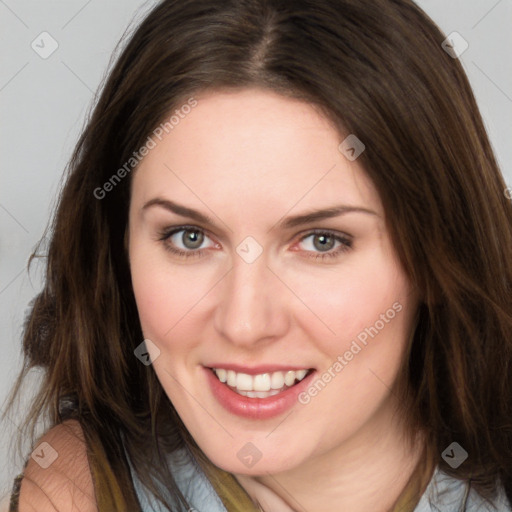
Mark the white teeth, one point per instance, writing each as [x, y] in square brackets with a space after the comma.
[231, 380]
[262, 382]
[244, 382]
[261, 385]
[301, 374]
[222, 375]
[277, 380]
[258, 394]
[289, 378]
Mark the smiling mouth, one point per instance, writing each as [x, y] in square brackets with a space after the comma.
[262, 385]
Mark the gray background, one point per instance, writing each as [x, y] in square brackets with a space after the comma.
[43, 103]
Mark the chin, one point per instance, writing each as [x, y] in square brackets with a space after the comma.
[246, 458]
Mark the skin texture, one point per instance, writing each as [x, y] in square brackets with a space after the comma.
[247, 159]
[66, 484]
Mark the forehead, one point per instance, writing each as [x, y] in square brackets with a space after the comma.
[238, 151]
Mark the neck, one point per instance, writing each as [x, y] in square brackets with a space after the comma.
[369, 471]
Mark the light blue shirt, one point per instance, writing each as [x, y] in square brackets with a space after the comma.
[443, 493]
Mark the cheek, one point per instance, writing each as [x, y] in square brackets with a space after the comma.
[348, 301]
[165, 293]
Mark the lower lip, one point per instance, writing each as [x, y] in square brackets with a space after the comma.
[256, 408]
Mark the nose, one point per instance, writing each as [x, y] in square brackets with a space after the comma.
[252, 304]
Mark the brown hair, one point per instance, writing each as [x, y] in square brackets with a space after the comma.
[376, 69]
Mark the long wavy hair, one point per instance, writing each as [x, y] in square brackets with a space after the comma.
[376, 69]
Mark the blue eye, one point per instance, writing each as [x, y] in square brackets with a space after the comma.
[193, 237]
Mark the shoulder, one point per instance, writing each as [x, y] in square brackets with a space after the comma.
[57, 476]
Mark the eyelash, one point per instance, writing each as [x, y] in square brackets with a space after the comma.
[346, 243]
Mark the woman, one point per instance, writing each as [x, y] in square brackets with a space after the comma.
[346, 347]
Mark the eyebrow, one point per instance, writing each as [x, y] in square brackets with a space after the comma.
[286, 223]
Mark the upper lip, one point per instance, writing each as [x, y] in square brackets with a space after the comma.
[256, 370]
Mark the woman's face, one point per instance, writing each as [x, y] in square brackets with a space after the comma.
[258, 289]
